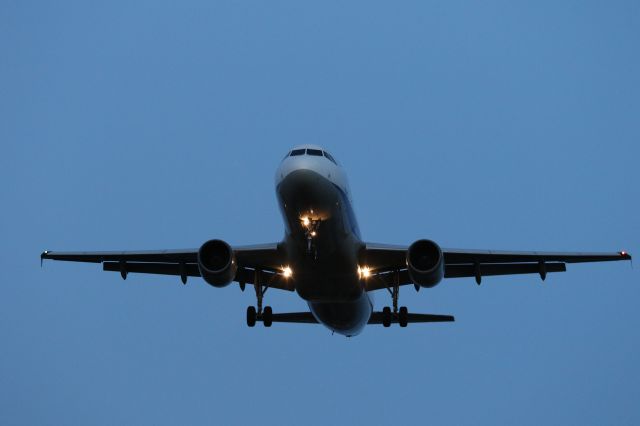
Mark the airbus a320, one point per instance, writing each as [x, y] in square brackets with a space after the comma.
[323, 258]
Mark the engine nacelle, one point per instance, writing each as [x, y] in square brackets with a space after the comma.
[425, 263]
[217, 263]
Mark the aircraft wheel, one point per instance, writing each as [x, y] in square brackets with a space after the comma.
[386, 316]
[403, 316]
[251, 316]
[267, 316]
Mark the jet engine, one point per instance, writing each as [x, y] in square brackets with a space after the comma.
[217, 263]
[425, 263]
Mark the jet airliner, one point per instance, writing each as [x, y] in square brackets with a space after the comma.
[323, 258]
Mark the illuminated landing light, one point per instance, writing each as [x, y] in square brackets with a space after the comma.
[364, 272]
[313, 233]
[287, 272]
[305, 221]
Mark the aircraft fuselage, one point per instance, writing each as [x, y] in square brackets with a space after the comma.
[322, 240]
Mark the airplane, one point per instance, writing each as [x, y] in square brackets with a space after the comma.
[323, 258]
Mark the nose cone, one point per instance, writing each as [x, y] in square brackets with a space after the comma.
[292, 164]
[305, 157]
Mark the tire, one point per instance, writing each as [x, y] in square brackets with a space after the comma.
[267, 316]
[403, 316]
[386, 316]
[251, 316]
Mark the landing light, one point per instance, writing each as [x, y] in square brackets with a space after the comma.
[364, 271]
[287, 272]
[305, 221]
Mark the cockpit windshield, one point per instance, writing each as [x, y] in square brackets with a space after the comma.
[312, 152]
[326, 154]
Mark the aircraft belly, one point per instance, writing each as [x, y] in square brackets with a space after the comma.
[327, 275]
[325, 288]
[347, 318]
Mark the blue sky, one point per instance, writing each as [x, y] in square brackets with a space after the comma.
[144, 125]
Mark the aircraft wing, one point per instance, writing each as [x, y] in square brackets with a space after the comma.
[184, 262]
[387, 260]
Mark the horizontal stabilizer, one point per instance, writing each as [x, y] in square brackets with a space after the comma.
[293, 317]
[376, 318]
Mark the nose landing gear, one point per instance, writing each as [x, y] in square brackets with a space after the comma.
[311, 231]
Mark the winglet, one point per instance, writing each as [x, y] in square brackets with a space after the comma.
[626, 256]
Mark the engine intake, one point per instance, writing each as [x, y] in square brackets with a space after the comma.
[217, 263]
[425, 263]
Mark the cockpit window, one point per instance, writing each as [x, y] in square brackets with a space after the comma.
[314, 152]
[326, 154]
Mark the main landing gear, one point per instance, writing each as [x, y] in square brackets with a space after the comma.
[266, 316]
[401, 314]
[253, 314]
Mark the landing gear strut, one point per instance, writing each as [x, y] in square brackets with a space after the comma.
[401, 314]
[254, 314]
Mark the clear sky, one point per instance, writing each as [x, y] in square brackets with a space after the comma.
[147, 125]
